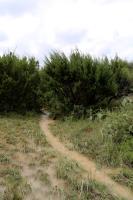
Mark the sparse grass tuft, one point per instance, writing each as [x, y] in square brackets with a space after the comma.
[4, 159]
[125, 176]
[43, 177]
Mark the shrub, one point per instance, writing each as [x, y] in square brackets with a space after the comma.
[118, 134]
[19, 84]
[80, 81]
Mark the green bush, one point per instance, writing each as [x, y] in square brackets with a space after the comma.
[118, 136]
[66, 85]
[82, 82]
[19, 84]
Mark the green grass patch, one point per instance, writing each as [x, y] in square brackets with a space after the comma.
[109, 141]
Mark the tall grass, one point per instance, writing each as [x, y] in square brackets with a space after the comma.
[109, 141]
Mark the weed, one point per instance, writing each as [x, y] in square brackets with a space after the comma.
[4, 159]
[43, 177]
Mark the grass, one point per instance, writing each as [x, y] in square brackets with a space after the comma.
[125, 176]
[16, 185]
[15, 130]
[43, 177]
[107, 140]
[79, 186]
[22, 144]
[4, 158]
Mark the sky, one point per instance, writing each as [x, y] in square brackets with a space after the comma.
[37, 27]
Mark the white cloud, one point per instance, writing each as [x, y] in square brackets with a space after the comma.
[99, 27]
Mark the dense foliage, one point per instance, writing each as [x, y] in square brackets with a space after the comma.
[64, 85]
[19, 83]
[79, 82]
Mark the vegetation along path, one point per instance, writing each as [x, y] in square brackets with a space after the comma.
[85, 163]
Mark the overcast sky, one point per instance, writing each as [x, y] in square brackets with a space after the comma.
[98, 27]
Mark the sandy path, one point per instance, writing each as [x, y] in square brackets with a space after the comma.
[85, 163]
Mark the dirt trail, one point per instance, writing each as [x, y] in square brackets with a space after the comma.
[85, 163]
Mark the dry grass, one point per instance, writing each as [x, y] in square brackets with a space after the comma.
[79, 183]
[25, 157]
